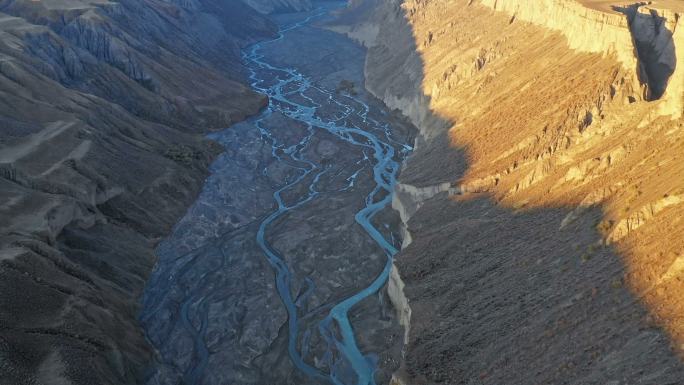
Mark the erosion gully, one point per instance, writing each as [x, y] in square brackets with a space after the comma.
[306, 187]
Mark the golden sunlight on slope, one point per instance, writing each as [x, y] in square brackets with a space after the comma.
[546, 126]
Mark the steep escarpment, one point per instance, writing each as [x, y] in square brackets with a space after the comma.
[543, 201]
[102, 105]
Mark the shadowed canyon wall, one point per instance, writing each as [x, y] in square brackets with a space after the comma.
[103, 106]
[542, 204]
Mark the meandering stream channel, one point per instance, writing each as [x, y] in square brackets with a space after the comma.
[275, 274]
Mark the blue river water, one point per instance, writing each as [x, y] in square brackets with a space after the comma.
[385, 170]
[189, 279]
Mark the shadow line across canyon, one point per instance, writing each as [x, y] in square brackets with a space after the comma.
[500, 295]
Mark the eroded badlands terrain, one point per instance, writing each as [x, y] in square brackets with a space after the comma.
[101, 107]
[545, 246]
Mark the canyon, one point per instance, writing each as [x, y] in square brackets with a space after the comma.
[403, 192]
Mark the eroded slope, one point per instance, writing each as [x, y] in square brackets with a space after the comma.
[102, 105]
[553, 253]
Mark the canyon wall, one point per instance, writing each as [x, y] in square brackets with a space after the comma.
[585, 29]
[542, 204]
[644, 38]
[103, 107]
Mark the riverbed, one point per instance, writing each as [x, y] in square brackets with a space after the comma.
[276, 275]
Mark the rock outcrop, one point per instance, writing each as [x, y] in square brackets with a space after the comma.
[102, 107]
[542, 201]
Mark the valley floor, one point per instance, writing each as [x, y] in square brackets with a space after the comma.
[275, 274]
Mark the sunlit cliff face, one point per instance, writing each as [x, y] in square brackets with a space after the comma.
[559, 118]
